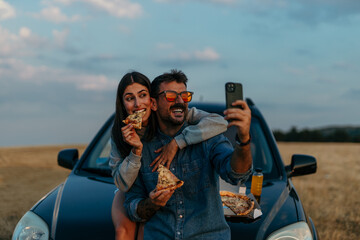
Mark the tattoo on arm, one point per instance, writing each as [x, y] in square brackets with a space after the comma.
[146, 209]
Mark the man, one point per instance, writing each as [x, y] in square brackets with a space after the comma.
[193, 211]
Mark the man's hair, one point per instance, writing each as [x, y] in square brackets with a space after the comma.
[173, 75]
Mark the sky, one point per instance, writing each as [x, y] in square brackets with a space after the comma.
[61, 60]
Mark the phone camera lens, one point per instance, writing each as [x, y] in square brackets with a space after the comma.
[231, 87]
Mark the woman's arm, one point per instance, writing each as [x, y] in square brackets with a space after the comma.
[202, 126]
[124, 171]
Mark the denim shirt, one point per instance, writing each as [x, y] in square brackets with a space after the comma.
[195, 210]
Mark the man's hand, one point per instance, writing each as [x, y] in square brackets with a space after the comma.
[157, 199]
[241, 118]
[160, 198]
[167, 154]
[241, 159]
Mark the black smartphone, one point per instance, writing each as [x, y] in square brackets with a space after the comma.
[233, 92]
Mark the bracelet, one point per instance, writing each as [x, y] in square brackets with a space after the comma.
[241, 144]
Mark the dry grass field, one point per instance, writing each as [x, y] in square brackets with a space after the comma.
[26, 174]
[330, 196]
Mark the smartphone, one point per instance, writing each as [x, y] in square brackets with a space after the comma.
[233, 92]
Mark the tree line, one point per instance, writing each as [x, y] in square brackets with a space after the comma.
[330, 134]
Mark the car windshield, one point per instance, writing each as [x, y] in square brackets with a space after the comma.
[97, 160]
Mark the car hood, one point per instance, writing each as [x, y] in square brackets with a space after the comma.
[81, 209]
[278, 205]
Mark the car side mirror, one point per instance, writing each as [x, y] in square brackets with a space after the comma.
[67, 158]
[301, 165]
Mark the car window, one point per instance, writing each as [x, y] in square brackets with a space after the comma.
[261, 153]
[260, 150]
[99, 156]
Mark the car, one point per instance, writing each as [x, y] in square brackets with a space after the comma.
[80, 207]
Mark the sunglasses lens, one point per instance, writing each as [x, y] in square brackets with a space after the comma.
[186, 96]
[171, 96]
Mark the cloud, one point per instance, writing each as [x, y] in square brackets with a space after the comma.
[8, 42]
[207, 55]
[24, 32]
[116, 8]
[17, 70]
[12, 45]
[223, 2]
[6, 10]
[23, 44]
[60, 37]
[54, 14]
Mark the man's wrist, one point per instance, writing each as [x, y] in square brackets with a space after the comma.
[146, 209]
[240, 143]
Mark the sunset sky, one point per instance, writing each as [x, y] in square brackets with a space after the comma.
[61, 60]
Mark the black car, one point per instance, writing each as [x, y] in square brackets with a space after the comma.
[80, 208]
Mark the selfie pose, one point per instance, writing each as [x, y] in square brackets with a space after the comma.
[134, 124]
[194, 210]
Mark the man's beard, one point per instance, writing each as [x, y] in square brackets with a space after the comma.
[175, 121]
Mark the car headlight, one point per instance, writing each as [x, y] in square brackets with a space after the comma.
[31, 227]
[296, 231]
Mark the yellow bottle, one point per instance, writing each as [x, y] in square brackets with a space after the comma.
[256, 183]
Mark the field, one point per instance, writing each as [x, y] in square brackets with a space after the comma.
[330, 196]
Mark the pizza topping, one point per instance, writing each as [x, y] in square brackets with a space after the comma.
[135, 119]
[167, 180]
[239, 204]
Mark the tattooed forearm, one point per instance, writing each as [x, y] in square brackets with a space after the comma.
[146, 209]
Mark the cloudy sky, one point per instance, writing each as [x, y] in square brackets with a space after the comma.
[61, 60]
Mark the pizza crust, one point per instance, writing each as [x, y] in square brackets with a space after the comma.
[167, 180]
[241, 205]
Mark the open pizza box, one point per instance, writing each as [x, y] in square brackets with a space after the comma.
[254, 214]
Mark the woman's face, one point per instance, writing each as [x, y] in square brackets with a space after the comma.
[137, 97]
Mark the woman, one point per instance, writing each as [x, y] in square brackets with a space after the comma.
[133, 94]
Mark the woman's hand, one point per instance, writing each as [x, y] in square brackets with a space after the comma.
[167, 154]
[132, 138]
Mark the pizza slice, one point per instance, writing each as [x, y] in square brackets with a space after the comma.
[167, 180]
[135, 119]
[240, 204]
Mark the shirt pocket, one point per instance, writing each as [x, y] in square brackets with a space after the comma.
[150, 180]
[196, 176]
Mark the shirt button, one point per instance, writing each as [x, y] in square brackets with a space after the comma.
[181, 202]
[173, 169]
[180, 216]
[178, 233]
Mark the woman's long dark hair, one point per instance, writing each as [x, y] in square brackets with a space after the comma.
[121, 114]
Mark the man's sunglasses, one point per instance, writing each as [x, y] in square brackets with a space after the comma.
[171, 96]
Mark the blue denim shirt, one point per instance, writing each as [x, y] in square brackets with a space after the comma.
[195, 210]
